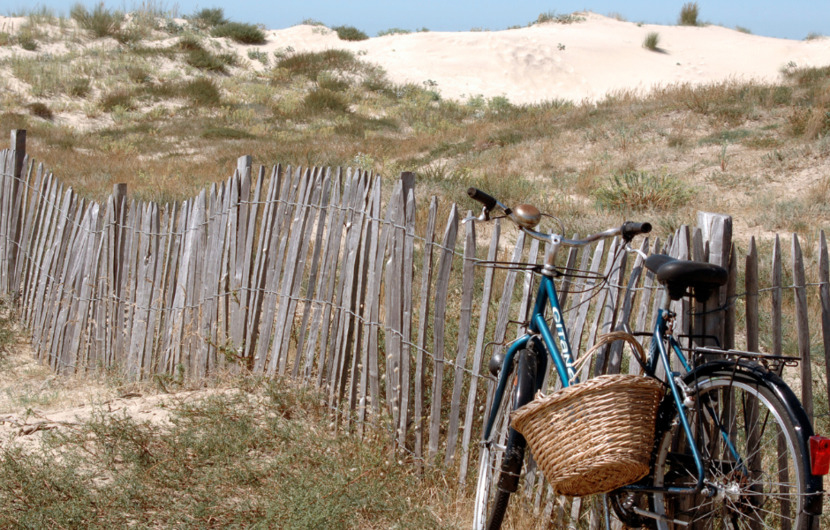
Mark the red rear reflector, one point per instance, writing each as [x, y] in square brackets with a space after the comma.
[820, 455]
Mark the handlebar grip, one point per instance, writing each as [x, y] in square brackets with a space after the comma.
[630, 229]
[488, 201]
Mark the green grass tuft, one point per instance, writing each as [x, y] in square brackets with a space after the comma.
[79, 87]
[551, 16]
[350, 33]
[641, 190]
[117, 99]
[312, 64]
[324, 100]
[188, 43]
[101, 22]
[202, 92]
[227, 133]
[652, 41]
[688, 14]
[240, 32]
[393, 31]
[208, 18]
[204, 60]
[41, 110]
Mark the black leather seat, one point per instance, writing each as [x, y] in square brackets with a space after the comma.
[681, 275]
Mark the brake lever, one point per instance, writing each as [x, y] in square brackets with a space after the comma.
[485, 216]
[635, 251]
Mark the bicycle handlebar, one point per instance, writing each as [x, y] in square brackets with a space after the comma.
[488, 201]
[628, 230]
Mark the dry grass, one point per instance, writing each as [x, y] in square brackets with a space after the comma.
[171, 112]
[168, 127]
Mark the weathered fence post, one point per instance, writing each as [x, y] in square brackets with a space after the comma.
[802, 327]
[119, 199]
[14, 203]
[716, 230]
[18, 145]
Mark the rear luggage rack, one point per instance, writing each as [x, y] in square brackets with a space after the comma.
[770, 361]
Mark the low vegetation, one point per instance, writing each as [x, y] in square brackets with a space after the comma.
[350, 33]
[559, 18]
[652, 41]
[688, 14]
[171, 97]
[100, 22]
[245, 453]
[239, 32]
[169, 109]
[209, 18]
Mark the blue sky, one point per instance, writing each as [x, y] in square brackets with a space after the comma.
[794, 19]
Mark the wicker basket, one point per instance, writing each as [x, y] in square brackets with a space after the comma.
[596, 436]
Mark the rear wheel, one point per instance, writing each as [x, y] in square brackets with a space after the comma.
[752, 446]
[501, 459]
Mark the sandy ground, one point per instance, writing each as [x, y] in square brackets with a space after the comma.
[34, 400]
[585, 60]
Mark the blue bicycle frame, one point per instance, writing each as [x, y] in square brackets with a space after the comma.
[560, 353]
[559, 349]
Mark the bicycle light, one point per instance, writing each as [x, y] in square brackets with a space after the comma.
[820, 455]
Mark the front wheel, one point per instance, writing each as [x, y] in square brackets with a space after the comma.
[501, 459]
[752, 434]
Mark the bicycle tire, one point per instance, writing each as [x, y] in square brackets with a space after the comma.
[768, 484]
[493, 489]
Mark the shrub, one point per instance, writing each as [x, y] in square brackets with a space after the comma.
[227, 133]
[330, 82]
[641, 190]
[208, 18]
[100, 23]
[688, 14]
[651, 42]
[310, 64]
[240, 32]
[138, 74]
[350, 33]
[27, 42]
[41, 111]
[258, 55]
[118, 98]
[393, 31]
[322, 100]
[189, 43]
[204, 60]
[202, 92]
[78, 87]
[551, 16]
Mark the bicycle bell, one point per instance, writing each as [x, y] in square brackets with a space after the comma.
[527, 215]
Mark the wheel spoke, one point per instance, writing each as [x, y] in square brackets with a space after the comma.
[748, 448]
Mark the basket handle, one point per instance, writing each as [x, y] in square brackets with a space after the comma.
[608, 338]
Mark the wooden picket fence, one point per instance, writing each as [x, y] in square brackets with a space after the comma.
[312, 273]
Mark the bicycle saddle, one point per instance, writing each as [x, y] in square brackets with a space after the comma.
[681, 275]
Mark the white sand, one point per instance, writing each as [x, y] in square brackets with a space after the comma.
[584, 60]
[579, 61]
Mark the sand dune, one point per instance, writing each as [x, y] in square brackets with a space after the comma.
[580, 61]
[583, 60]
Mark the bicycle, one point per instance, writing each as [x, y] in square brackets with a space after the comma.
[732, 445]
